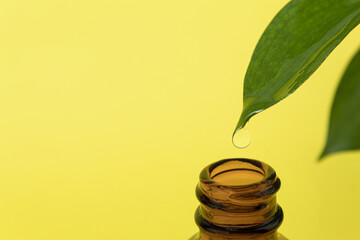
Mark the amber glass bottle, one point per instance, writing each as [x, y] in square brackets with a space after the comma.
[238, 201]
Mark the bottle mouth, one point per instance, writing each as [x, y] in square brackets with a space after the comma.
[237, 172]
[246, 177]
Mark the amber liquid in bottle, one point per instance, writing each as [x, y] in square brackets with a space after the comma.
[238, 201]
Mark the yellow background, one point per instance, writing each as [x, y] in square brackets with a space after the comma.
[110, 109]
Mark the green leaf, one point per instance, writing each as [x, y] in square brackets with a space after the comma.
[292, 47]
[344, 128]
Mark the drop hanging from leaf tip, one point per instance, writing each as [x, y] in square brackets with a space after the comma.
[241, 137]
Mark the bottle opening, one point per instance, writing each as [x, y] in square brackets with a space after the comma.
[237, 173]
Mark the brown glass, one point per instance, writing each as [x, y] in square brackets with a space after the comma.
[238, 201]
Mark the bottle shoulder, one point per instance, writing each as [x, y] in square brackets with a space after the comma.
[195, 237]
[279, 237]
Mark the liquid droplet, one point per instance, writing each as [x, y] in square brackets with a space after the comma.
[241, 138]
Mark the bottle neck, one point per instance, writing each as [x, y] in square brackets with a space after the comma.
[238, 201]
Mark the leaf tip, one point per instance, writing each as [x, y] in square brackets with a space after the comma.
[325, 153]
[322, 156]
